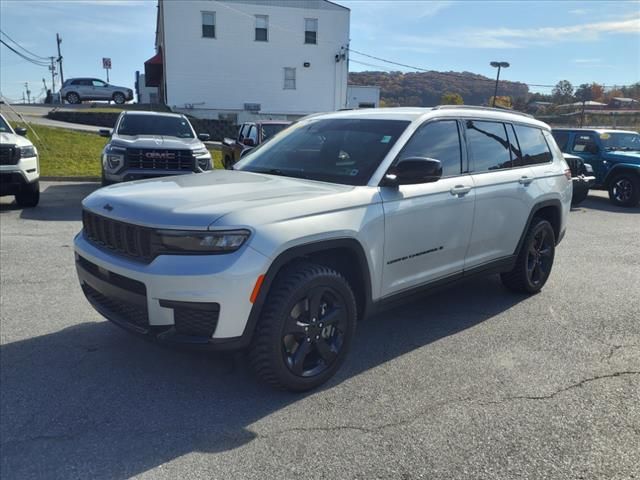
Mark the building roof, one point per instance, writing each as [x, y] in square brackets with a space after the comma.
[589, 103]
[307, 4]
[625, 99]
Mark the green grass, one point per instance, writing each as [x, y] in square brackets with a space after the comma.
[69, 153]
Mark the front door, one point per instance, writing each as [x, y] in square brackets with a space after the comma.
[428, 226]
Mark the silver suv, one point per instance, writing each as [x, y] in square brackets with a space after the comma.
[19, 166]
[333, 218]
[152, 144]
[76, 90]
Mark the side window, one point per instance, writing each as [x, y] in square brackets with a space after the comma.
[562, 139]
[489, 145]
[311, 31]
[514, 147]
[583, 142]
[209, 24]
[243, 132]
[253, 134]
[262, 28]
[439, 140]
[289, 78]
[98, 83]
[533, 145]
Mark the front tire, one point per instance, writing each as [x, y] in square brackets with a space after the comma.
[29, 195]
[73, 98]
[535, 259]
[305, 329]
[119, 98]
[624, 190]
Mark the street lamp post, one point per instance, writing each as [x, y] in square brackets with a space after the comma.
[498, 65]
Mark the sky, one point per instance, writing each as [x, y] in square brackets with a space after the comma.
[544, 41]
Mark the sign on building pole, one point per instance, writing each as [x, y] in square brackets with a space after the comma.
[106, 64]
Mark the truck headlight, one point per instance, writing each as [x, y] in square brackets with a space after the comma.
[203, 158]
[178, 241]
[27, 151]
[114, 157]
[588, 168]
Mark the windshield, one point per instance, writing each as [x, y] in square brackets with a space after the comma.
[345, 151]
[270, 129]
[155, 125]
[4, 126]
[620, 141]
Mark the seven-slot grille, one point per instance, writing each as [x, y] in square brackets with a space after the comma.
[123, 238]
[148, 159]
[9, 155]
[576, 165]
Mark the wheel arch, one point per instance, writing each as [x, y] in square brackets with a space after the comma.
[618, 169]
[345, 255]
[550, 210]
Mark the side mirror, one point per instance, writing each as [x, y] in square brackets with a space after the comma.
[249, 142]
[592, 148]
[104, 132]
[204, 136]
[413, 170]
[21, 131]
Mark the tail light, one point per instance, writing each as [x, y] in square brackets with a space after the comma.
[567, 173]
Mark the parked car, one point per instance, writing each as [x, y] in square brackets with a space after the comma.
[582, 177]
[614, 156]
[77, 90]
[250, 135]
[321, 226]
[19, 166]
[152, 144]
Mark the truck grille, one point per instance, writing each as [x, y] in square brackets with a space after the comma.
[9, 155]
[148, 159]
[126, 239]
[576, 166]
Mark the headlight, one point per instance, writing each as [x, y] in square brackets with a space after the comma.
[203, 157]
[200, 152]
[114, 156]
[588, 168]
[28, 151]
[177, 241]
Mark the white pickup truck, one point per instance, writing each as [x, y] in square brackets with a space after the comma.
[19, 166]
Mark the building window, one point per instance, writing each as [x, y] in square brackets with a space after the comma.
[262, 28]
[209, 24]
[311, 31]
[289, 78]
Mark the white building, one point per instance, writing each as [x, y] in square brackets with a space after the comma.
[243, 59]
[144, 94]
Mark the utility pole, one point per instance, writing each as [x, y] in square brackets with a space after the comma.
[498, 65]
[53, 74]
[26, 86]
[59, 41]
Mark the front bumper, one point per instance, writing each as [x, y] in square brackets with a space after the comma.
[196, 300]
[139, 174]
[583, 180]
[14, 177]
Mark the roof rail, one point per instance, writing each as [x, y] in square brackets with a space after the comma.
[477, 107]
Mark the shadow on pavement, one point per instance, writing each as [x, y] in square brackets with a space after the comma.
[603, 204]
[92, 401]
[58, 202]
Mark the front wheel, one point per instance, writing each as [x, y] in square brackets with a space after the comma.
[624, 190]
[73, 98]
[119, 98]
[29, 195]
[534, 262]
[305, 329]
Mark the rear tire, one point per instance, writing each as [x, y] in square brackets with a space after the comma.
[624, 190]
[29, 195]
[73, 98]
[305, 329]
[535, 259]
[119, 98]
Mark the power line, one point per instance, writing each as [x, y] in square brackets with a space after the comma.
[23, 48]
[31, 60]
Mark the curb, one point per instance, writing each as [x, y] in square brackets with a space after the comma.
[70, 179]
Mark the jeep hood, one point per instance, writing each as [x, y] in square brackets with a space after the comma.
[13, 139]
[155, 142]
[624, 157]
[217, 198]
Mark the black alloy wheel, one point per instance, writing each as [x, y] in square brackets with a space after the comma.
[624, 190]
[539, 258]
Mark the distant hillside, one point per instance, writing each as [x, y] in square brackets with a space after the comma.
[424, 89]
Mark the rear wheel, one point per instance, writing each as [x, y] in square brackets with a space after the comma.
[305, 329]
[624, 190]
[73, 98]
[534, 262]
[29, 195]
[119, 98]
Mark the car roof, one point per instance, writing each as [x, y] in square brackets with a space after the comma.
[445, 111]
[595, 130]
[150, 112]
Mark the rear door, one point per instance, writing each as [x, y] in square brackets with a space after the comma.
[505, 191]
[428, 226]
[100, 90]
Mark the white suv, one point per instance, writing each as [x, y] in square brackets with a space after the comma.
[19, 166]
[334, 217]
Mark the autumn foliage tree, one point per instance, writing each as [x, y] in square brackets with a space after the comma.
[451, 99]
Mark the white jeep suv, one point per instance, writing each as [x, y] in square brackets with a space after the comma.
[19, 166]
[333, 218]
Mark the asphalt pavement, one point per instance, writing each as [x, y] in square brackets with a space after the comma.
[474, 382]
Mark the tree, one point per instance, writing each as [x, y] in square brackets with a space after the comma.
[562, 92]
[501, 101]
[451, 99]
[584, 93]
[597, 91]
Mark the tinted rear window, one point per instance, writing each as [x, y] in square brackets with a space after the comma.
[562, 139]
[155, 125]
[489, 145]
[533, 146]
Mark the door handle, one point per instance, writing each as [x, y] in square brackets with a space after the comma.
[460, 190]
[524, 180]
